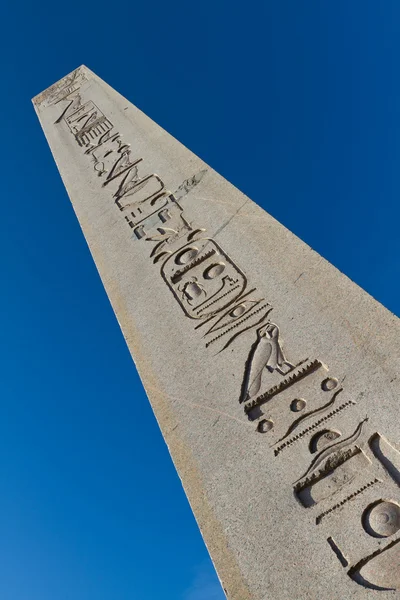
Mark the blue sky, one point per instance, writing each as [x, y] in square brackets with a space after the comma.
[298, 104]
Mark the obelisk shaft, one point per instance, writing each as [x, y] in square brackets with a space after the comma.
[273, 377]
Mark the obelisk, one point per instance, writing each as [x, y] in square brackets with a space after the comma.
[273, 377]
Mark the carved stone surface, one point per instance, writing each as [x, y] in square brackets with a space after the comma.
[273, 377]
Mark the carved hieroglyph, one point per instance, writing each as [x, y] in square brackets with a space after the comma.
[273, 377]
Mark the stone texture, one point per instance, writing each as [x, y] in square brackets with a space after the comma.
[273, 377]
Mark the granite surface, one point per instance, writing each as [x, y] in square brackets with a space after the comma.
[273, 377]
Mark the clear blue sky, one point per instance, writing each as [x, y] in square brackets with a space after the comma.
[298, 104]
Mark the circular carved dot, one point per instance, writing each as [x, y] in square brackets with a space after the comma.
[214, 270]
[322, 439]
[265, 425]
[186, 255]
[382, 519]
[237, 311]
[298, 404]
[329, 384]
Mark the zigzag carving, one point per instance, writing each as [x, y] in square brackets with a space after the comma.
[347, 499]
[237, 323]
[236, 287]
[312, 427]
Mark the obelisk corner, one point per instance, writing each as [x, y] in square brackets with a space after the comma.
[62, 88]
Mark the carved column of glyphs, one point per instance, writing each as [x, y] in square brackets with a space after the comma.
[305, 400]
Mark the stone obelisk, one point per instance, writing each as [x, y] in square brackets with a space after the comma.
[274, 378]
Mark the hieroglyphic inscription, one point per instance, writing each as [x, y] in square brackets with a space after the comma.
[289, 403]
[203, 278]
[363, 524]
[88, 123]
[206, 282]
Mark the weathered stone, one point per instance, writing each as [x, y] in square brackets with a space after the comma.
[273, 377]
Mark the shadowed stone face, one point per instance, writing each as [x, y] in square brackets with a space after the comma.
[273, 377]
